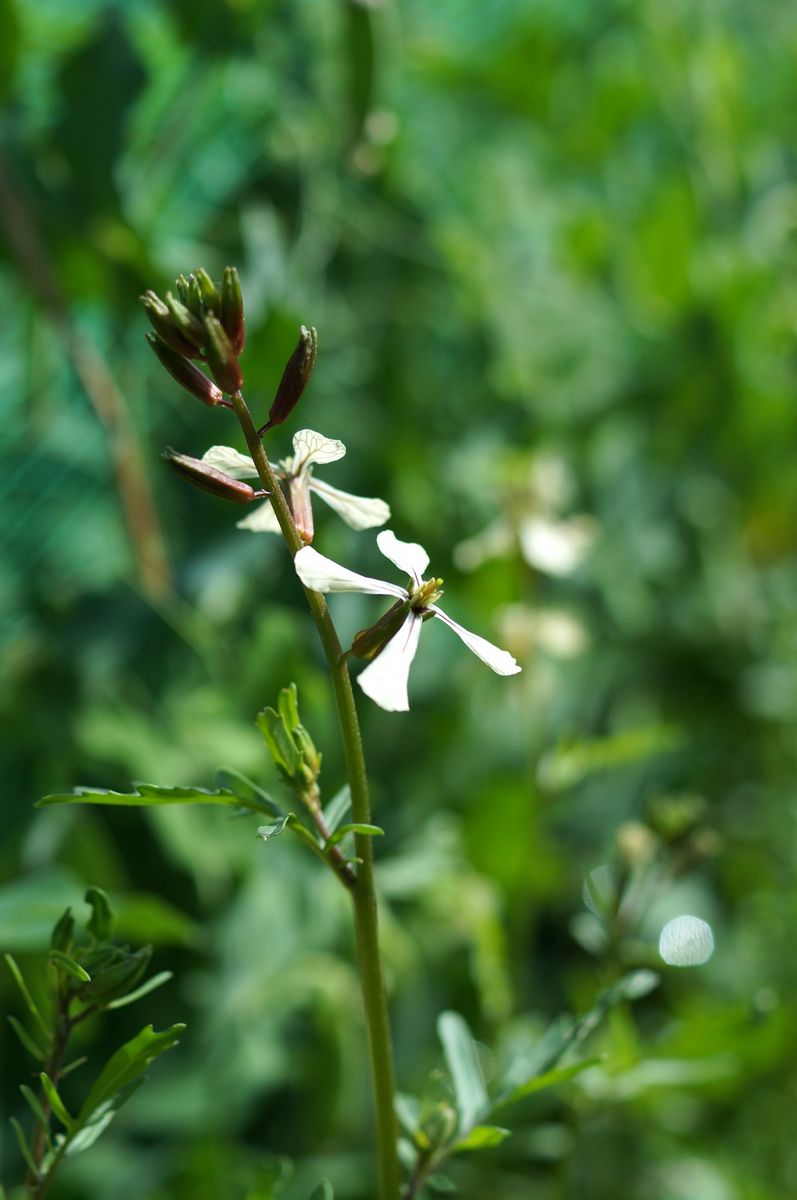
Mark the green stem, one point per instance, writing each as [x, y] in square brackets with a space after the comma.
[363, 892]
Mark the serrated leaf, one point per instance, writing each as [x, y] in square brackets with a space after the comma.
[72, 968]
[481, 1137]
[27, 1039]
[336, 810]
[24, 1147]
[56, 1103]
[463, 1064]
[26, 996]
[147, 795]
[126, 1066]
[36, 1108]
[343, 830]
[148, 986]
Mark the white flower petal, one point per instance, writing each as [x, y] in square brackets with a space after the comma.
[260, 520]
[385, 679]
[360, 512]
[230, 462]
[311, 447]
[321, 574]
[500, 661]
[409, 557]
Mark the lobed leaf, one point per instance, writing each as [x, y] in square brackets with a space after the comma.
[148, 795]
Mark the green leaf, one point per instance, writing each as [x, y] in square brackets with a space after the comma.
[24, 1147]
[279, 742]
[408, 1111]
[288, 705]
[267, 832]
[481, 1137]
[244, 785]
[61, 937]
[27, 1039]
[441, 1183]
[148, 986]
[323, 1191]
[56, 1103]
[125, 1067]
[569, 764]
[35, 1106]
[148, 795]
[101, 922]
[341, 831]
[65, 963]
[337, 808]
[540, 1082]
[463, 1065]
[26, 996]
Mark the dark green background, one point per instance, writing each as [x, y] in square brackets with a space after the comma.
[541, 242]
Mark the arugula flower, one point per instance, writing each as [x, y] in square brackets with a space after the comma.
[310, 449]
[392, 642]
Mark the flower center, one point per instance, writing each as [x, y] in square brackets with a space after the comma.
[427, 592]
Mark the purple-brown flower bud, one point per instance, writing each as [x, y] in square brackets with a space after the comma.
[208, 479]
[161, 320]
[187, 375]
[232, 308]
[221, 356]
[295, 378]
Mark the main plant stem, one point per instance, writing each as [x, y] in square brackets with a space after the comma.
[363, 891]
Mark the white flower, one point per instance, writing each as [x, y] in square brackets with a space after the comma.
[309, 448]
[385, 678]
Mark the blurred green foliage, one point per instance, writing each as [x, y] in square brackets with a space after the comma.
[550, 252]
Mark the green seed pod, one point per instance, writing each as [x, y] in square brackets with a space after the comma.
[295, 378]
[369, 642]
[161, 321]
[232, 308]
[221, 356]
[209, 480]
[187, 375]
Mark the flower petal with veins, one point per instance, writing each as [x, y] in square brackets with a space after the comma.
[230, 462]
[311, 447]
[321, 574]
[385, 679]
[500, 661]
[409, 557]
[359, 512]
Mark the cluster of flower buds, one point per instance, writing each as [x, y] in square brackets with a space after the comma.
[204, 322]
[291, 746]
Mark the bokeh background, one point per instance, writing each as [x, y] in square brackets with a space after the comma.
[550, 252]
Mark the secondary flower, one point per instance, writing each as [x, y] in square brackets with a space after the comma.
[296, 475]
[393, 641]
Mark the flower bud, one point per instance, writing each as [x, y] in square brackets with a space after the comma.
[188, 325]
[183, 289]
[295, 378]
[187, 375]
[209, 297]
[208, 479]
[232, 308]
[161, 321]
[301, 507]
[221, 356]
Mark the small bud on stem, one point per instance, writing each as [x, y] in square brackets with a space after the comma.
[221, 356]
[232, 308]
[160, 319]
[294, 380]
